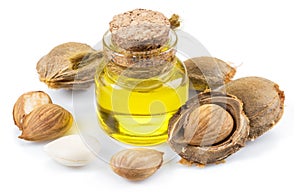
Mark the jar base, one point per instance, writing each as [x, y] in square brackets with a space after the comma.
[140, 141]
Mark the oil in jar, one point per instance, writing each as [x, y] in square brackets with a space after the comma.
[137, 111]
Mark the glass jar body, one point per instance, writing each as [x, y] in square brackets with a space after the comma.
[137, 93]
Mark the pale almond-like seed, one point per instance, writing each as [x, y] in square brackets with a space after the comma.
[136, 164]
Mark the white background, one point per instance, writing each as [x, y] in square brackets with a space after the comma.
[262, 36]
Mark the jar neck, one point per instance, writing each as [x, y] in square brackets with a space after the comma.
[140, 64]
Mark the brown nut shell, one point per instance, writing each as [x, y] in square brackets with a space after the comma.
[208, 73]
[136, 164]
[26, 103]
[70, 65]
[47, 122]
[218, 151]
[263, 102]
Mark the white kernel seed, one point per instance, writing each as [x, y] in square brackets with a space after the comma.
[69, 151]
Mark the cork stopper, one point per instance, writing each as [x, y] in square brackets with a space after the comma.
[139, 30]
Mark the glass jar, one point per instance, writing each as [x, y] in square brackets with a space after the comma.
[137, 92]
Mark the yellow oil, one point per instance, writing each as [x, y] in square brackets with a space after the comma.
[137, 111]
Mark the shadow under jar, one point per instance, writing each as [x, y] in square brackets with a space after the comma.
[137, 92]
